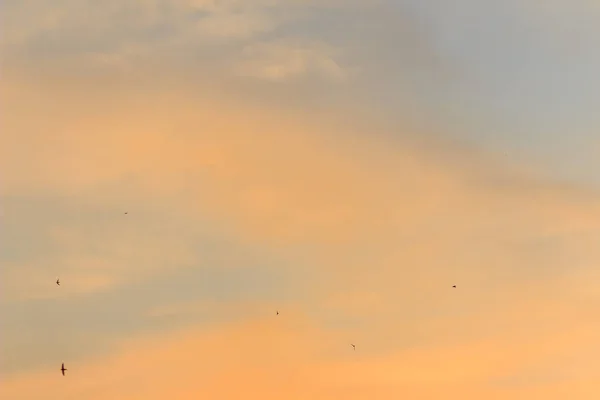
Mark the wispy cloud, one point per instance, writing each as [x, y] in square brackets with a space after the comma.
[283, 60]
[234, 19]
[253, 184]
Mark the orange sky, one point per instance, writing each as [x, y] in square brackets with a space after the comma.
[245, 196]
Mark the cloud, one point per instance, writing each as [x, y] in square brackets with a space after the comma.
[275, 179]
[284, 60]
[354, 228]
[234, 25]
[262, 39]
[111, 25]
[290, 356]
[234, 19]
[332, 217]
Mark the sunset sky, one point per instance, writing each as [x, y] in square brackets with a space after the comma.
[343, 162]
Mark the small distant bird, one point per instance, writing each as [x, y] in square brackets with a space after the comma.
[125, 212]
[63, 369]
[454, 286]
[353, 346]
[277, 312]
[58, 282]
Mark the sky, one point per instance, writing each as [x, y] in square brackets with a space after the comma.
[189, 168]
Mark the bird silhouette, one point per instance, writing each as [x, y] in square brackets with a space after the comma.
[454, 286]
[63, 369]
[126, 213]
[58, 282]
[353, 346]
[277, 312]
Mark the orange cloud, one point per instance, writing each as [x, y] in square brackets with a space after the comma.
[279, 179]
[367, 222]
[288, 356]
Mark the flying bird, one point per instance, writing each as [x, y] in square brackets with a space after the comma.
[353, 346]
[454, 286]
[58, 282]
[277, 312]
[125, 212]
[63, 369]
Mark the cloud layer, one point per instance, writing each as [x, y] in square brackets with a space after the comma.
[247, 144]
